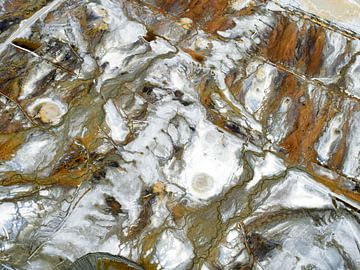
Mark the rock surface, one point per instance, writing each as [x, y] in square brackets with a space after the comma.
[180, 134]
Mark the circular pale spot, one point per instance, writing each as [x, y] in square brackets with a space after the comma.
[49, 113]
[202, 182]
[186, 23]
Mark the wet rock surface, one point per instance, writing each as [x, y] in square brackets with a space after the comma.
[160, 134]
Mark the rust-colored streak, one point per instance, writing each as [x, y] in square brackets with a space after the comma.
[195, 55]
[289, 87]
[219, 23]
[294, 142]
[172, 6]
[212, 12]
[208, 14]
[61, 179]
[283, 40]
[300, 142]
[315, 54]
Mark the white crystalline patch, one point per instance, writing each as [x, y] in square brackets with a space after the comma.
[211, 163]
[330, 138]
[222, 65]
[268, 166]
[351, 165]
[240, 4]
[34, 155]
[119, 42]
[36, 74]
[116, 122]
[231, 248]
[161, 46]
[298, 190]
[244, 28]
[301, 246]
[8, 213]
[126, 189]
[279, 124]
[87, 227]
[352, 79]
[333, 56]
[258, 85]
[173, 253]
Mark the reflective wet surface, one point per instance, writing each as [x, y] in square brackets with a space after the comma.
[162, 134]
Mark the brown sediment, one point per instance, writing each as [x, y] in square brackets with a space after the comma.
[27, 44]
[300, 142]
[9, 144]
[219, 23]
[210, 15]
[108, 264]
[178, 211]
[7, 126]
[195, 55]
[212, 12]
[294, 142]
[317, 36]
[62, 178]
[115, 206]
[172, 6]
[283, 40]
[150, 36]
[289, 88]
[206, 87]
[72, 169]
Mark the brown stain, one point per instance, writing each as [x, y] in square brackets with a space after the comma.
[178, 211]
[63, 178]
[198, 57]
[150, 36]
[219, 23]
[28, 44]
[210, 15]
[206, 87]
[9, 144]
[112, 265]
[234, 81]
[115, 206]
[299, 144]
[294, 142]
[8, 125]
[212, 12]
[23, 8]
[283, 40]
[172, 6]
[317, 36]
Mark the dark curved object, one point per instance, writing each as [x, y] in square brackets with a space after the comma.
[103, 261]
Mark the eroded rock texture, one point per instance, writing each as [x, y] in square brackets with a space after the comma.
[194, 134]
